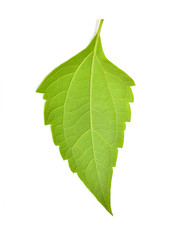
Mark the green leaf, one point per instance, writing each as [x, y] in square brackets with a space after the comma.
[87, 105]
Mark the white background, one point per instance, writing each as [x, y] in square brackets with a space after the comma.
[153, 187]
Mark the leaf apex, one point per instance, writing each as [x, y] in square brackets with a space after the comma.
[110, 211]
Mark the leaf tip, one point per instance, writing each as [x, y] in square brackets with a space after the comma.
[108, 208]
[110, 211]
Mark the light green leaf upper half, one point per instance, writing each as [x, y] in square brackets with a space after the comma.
[87, 105]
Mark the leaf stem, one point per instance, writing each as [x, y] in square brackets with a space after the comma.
[100, 26]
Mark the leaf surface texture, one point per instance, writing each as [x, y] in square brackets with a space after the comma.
[87, 105]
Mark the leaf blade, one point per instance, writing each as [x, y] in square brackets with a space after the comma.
[87, 105]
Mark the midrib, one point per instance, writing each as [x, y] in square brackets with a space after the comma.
[90, 109]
